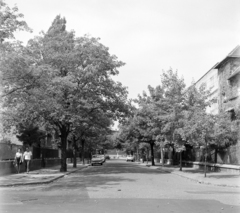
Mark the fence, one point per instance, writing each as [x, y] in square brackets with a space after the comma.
[8, 151]
[230, 155]
[53, 153]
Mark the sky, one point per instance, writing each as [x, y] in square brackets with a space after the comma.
[150, 36]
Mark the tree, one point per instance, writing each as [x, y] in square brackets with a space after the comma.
[192, 118]
[10, 21]
[94, 130]
[30, 134]
[62, 80]
[157, 118]
[144, 126]
[169, 108]
[226, 131]
[197, 128]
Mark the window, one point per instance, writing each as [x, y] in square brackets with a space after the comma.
[211, 82]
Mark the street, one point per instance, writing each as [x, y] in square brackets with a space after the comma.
[120, 186]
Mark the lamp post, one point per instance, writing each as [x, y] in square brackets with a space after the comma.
[205, 163]
[162, 152]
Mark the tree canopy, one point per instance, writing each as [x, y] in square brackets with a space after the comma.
[62, 80]
[10, 21]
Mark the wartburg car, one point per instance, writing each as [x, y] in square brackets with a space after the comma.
[130, 158]
[97, 159]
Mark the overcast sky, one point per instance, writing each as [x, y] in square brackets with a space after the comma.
[190, 36]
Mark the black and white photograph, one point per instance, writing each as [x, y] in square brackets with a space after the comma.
[112, 106]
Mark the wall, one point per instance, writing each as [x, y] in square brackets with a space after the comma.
[230, 155]
[8, 151]
[7, 167]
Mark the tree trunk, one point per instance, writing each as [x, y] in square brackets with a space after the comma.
[147, 155]
[152, 154]
[42, 157]
[180, 160]
[74, 158]
[63, 149]
[83, 143]
[215, 155]
[162, 157]
[74, 152]
[137, 156]
[205, 164]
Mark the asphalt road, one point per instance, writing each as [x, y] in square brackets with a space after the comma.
[120, 186]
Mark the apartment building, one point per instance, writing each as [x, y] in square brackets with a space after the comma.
[210, 82]
[229, 81]
[223, 81]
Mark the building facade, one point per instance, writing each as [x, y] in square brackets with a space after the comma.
[223, 80]
[229, 81]
[210, 82]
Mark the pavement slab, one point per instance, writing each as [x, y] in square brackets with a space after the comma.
[212, 178]
[41, 176]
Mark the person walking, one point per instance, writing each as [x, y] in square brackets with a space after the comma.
[27, 156]
[18, 159]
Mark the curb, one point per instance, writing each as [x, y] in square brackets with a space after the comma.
[42, 182]
[192, 179]
[204, 182]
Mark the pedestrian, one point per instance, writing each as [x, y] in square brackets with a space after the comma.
[18, 159]
[27, 156]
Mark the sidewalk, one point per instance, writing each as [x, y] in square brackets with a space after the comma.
[213, 178]
[42, 176]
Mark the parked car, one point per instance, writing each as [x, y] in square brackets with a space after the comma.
[130, 158]
[103, 158]
[97, 159]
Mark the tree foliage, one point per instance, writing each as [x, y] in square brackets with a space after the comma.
[30, 134]
[10, 21]
[64, 81]
[226, 131]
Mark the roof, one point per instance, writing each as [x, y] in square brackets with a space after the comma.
[235, 53]
[214, 67]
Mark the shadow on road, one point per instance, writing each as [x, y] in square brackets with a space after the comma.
[75, 182]
[122, 167]
[107, 175]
